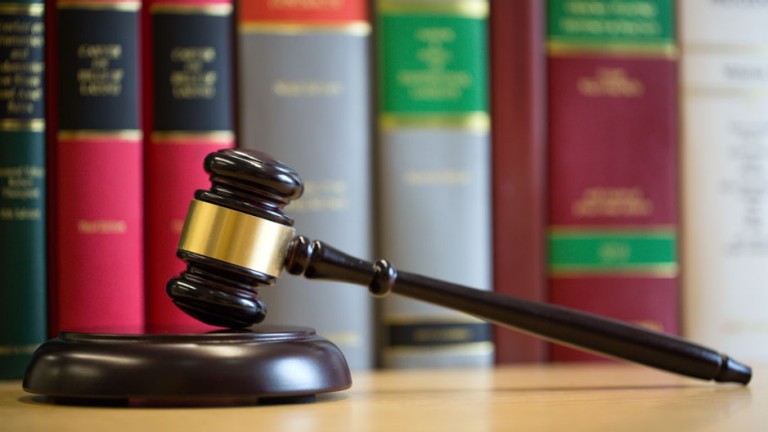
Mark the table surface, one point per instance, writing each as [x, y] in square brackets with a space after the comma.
[575, 397]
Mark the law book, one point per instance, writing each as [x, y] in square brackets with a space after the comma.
[188, 112]
[304, 96]
[22, 184]
[724, 98]
[518, 155]
[433, 163]
[96, 152]
[613, 176]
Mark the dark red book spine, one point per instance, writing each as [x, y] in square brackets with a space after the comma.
[518, 109]
[97, 159]
[613, 126]
[188, 113]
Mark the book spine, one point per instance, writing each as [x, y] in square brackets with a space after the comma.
[724, 91]
[612, 110]
[304, 97]
[518, 126]
[22, 185]
[98, 164]
[188, 113]
[434, 173]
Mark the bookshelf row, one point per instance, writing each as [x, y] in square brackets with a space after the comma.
[602, 155]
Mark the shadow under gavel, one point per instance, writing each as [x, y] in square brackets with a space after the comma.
[237, 237]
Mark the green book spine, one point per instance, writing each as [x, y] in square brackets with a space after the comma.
[22, 185]
[433, 167]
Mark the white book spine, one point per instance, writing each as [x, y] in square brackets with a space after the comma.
[724, 100]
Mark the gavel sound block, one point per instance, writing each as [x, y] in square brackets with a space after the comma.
[237, 238]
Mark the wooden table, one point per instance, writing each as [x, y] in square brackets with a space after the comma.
[564, 398]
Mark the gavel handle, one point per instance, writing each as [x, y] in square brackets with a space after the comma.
[609, 337]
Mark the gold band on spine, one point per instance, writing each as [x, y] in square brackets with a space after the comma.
[120, 6]
[128, 134]
[22, 125]
[36, 9]
[175, 137]
[355, 28]
[235, 237]
[223, 9]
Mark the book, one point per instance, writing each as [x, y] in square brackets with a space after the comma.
[613, 178]
[188, 113]
[304, 96]
[22, 185]
[724, 248]
[518, 155]
[98, 275]
[433, 162]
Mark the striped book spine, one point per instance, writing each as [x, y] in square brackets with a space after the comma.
[98, 224]
[188, 112]
[434, 173]
[22, 184]
[304, 97]
[612, 114]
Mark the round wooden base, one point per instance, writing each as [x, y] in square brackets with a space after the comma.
[260, 365]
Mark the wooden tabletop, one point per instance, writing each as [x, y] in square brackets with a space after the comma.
[586, 397]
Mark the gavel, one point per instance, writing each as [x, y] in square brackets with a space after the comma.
[237, 238]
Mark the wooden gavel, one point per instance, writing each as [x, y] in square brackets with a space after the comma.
[237, 237]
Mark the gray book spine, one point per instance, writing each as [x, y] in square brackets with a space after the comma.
[434, 173]
[435, 212]
[305, 99]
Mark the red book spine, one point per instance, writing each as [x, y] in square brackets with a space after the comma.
[97, 167]
[336, 12]
[188, 114]
[518, 109]
[613, 164]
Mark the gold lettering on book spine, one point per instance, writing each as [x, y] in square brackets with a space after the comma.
[193, 76]
[612, 202]
[100, 78]
[20, 184]
[329, 195]
[21, 72]
[294, 89]
[610, 82]
[102, 226]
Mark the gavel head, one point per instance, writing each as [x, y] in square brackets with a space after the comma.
[235, 238]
